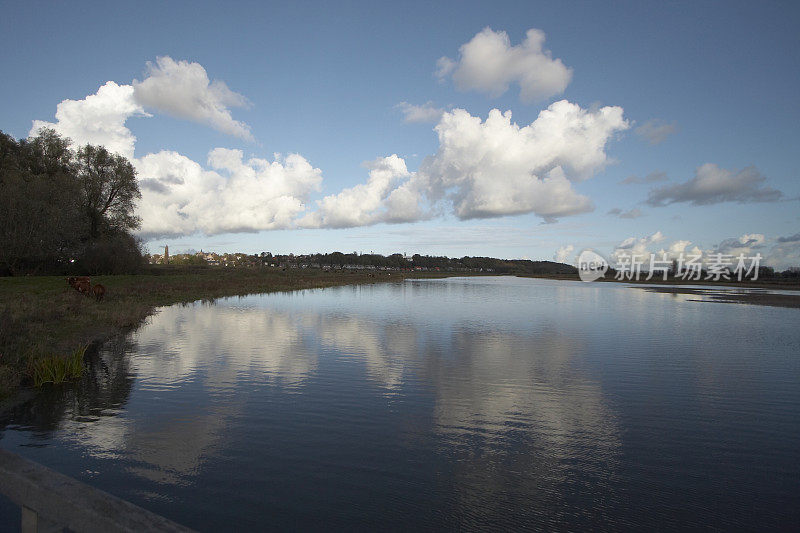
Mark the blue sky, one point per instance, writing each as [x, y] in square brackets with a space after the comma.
[713, 84]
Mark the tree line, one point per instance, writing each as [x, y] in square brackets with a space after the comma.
[500, 266]
[65, 210]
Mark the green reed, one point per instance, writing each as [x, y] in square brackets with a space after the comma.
[57, 369]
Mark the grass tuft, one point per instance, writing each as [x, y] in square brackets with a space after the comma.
[57, 369]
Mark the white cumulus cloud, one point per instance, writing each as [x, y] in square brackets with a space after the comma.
[482, 168]
[183, 89]
[677, 248]
[780, 253]
[387, 196]
[636, 246]
[562, 255]
[495, 167]
[98, 119]
[180, 197]
[489, 63]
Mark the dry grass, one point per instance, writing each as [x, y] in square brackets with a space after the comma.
[43, 315]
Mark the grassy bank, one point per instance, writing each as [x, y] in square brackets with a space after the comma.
[45, 322]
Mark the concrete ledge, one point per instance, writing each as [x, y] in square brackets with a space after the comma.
[69, 503]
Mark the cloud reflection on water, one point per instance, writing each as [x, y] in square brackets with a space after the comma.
[503, 404]
[488, 385]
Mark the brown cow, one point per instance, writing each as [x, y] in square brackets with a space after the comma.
[99, 292]
[72, 280]
[83, 287]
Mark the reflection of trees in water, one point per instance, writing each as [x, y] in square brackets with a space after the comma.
[103, 389]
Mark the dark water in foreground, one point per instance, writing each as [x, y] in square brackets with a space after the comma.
[478, 403]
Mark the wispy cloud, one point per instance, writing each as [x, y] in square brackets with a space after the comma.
[790, 238]
[426, 112]
[631, 213]
[656, 131]
[653, 177]
[712, 185]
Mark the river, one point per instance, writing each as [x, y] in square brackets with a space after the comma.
[459, 403]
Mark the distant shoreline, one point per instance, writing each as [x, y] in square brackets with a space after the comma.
[728, 296]
[725, 291]
[746, 284]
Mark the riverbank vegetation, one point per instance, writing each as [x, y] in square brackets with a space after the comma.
[45, 318]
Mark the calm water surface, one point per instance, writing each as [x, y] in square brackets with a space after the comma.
[479, 403]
